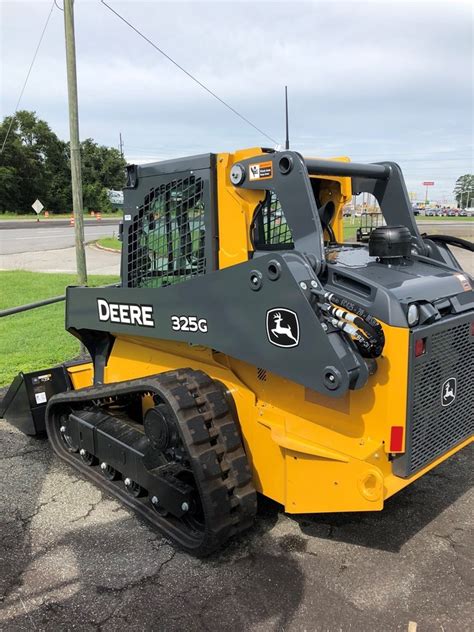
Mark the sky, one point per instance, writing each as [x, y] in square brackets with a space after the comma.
[370, 80]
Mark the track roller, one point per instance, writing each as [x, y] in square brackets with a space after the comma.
[134, 489]
[87, 458]
[109, 472]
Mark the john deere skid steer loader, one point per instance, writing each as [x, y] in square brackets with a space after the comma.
[249, 349]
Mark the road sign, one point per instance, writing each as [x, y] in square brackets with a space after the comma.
[37, 207]
[428, 184]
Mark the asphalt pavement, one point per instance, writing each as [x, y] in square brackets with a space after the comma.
[49, 246]
[74, 559]
[38, 237]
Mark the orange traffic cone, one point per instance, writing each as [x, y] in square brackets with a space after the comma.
[46, 214]
[71, 221]
[98, 216]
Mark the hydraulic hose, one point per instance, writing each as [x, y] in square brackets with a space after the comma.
[363, 328]
[451, 240]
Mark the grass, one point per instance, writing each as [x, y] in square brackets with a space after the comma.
[35, 339]
[32, 215]
[110, 242]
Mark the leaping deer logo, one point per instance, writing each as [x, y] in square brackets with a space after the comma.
[278, 329]
[282, 327]
[448, 391]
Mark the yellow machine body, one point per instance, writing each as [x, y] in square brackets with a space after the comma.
[309, 452]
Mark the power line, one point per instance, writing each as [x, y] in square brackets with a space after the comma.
[27, 77]
[186, 72]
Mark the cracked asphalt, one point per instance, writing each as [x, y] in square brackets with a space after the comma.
[74, 559]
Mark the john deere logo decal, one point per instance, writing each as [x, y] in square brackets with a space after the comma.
[283, 329]
[448, 392]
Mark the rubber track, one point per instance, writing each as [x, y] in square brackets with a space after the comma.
[211, 438]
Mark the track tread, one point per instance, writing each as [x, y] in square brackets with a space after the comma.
[212, 441]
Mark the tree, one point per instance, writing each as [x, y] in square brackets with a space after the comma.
[32, 165]
[103, 168]
[36, 164]
[464, 191]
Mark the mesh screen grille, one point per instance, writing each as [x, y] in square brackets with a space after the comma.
[434, 428]
[166, 240]
[271, 228]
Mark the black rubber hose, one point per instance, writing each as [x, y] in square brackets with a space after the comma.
[368, 347]
[451, 240]
[363, 320]
[358, 311]
[332, 236]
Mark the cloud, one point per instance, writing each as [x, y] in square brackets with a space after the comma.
[373, 80]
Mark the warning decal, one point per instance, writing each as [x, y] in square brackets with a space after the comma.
[462, 278]
[261, 171]
[40, 398]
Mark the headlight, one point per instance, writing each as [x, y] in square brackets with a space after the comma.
[413, 314]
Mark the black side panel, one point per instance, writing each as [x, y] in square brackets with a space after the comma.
[233, 311]
[24, 404]
[440, 411]
[170, 222]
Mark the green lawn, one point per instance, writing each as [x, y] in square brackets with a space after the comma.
[35, 339]
[110, 242]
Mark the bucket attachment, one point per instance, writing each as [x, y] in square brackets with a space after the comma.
[24, 404]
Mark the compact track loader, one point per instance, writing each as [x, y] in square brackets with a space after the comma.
[249, 349]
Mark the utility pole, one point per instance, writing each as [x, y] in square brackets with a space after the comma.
[121, 144]
[75, 147]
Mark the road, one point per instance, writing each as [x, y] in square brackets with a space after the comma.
[39, 238]
[74, 559]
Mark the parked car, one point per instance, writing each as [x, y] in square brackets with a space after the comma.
[453, 212]
[430, 212]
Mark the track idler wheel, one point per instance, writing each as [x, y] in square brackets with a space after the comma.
[160, 428]
[66, 437]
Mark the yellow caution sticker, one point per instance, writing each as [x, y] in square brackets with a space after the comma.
[261, 171]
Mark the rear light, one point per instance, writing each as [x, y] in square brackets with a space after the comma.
[396, 439]
[420, 347]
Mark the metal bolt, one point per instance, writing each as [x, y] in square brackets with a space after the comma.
[314, 283]
[185, 507]
[82, 452]
[127, 482]
[154, 500]
[103, 466]
[331, 378]
[62, 429]
[303, 285]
